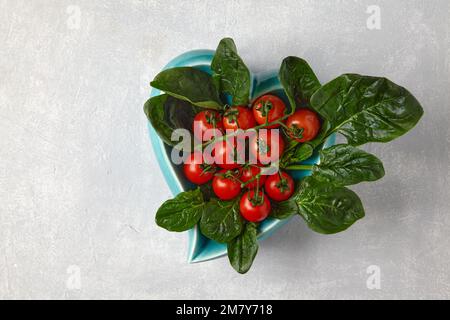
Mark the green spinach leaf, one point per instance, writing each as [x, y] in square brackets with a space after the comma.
[231, 73]
[295, 152]
[284, 210]
[327, 208]
[242, 250]
[298, 80]
[367, 109]
[189, 84]
[344, 165]
[182, 213]
[166, 114]
[221, 220]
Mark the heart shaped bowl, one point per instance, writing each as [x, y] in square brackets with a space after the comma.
[201, 248]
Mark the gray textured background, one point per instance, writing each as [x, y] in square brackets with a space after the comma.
[79, 183]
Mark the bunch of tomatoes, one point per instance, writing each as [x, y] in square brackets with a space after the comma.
[230, 178]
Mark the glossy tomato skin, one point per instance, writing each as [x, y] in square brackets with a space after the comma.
[261, 147]
[196, 171]
[239, 117]
[279, 188]
[226, 187]
[248, 173]
[225, 154]
[206, 120]
[306, 120]
[276, 106]
[253, 213]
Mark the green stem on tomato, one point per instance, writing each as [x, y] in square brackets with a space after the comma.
[256, 198]
[282, 124]
[257, 177]
[237, 179]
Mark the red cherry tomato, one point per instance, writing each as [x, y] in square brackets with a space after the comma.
[279, 187]
[267, 109]
[304, 125]
[262, 147]
[226, 154]
[249, 173]
[226, 186]
[196, 171]
[207, 120]
[238, 118]
[254, 209]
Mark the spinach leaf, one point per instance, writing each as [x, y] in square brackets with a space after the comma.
[242, 250]
[298, 80]
[295, 152]
[344, 165]
[182, 213]
[189, 84]
[367, 109]
[166, 114]
[154, 110]
[299, 83]
[231, 73]
[221, 220]
[327, 208]
[285, 209]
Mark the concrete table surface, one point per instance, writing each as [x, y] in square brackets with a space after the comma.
[79, 183]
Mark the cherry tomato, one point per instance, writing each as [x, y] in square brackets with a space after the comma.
[239, 117]
[196, 171]
[226, 186]
[267, 109]
[254, 209]
[249, 173]
[279, 187]
[261, 147]
[226, 154]
[207, 120]
[304, 125]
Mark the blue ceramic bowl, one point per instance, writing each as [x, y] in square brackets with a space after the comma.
[201, 248]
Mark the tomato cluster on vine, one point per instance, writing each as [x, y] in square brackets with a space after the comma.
[232, 176]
